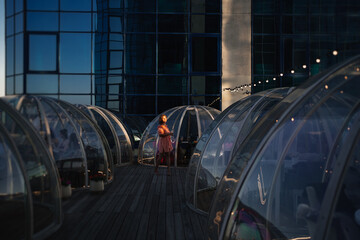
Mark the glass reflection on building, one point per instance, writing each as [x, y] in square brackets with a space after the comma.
[49, 46]
[293, 40]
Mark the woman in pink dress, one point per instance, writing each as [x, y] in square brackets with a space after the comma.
[164, 145]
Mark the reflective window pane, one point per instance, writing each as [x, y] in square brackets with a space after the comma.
[116, 42]
[19, 5]
[140, 5]
[205, 6]
[42, 21]
[9, 85]
[141, 22]
[78, 5]
[172, 54]
[19, 23]
[167, 102]
[75, 84]
[80, 22]
[140, 104]
[10, 26]
[114, 3]
[42, 52]
[173, 23]
[9, 56]
[116, 59]
[172, 85]
[41, 83]
[205, 54]
[19, 84]
[205, 23]
[75, 53]
[116, 24]
[140, 53]
[205, 85]
[172, 5]
[76, 99]
[19, 53]
[9, 7]
[42, 5]
[140, 85]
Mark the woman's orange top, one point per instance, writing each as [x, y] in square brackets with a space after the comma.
[164, 142]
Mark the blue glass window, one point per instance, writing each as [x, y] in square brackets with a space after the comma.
[116, 24]
[19, 84]
[167, 102]
[80, 22]
[140, 85]
[94, 17]
[172, 5]
[42, 52]
[77, 99]
[172, 85]
[78, 5]
[10, 26]
[208, 6]
[201, 85]
[116, 59]
[10, 85]
[263, 6]
[114, 79]
[19, 53]
[172, 54]
[141, 5]
[75, 84]
[205, 23]
[9, 7]
[205, 54]
[75, 53]
[116, 41]
[10, 56]
[141, 23]
[19, 23]
[173, 23]
[114, 89]
[19, 5]
[42, 83]
[42, 21]
[42, 5]
[140, 104]
[140, 53]
[115, 3]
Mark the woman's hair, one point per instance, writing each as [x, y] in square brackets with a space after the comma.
[160, 119]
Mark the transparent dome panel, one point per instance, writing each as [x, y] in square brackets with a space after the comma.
[94, 145]
[291, 173]
[14, 204]
[40, 169]
[184, 122]
[122, 135]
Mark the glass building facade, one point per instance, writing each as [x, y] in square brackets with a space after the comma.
[155, 55]
[49, 47]
[294, 39]
[136, 57]
[143, 57]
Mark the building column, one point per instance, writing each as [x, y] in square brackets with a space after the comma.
[236, 48]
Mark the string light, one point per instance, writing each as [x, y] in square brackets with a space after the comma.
[335, 53]
[238, 88]
[318, 60]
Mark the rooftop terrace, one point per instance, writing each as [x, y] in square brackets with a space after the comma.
[137, 205]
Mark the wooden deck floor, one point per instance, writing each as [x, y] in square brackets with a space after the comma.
[137, 205]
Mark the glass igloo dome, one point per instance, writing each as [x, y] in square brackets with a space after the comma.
[115, 132]
[59, 132]
[297, 174]
[187, 123]
[98, 153]
[215, 147]
[29, 181]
